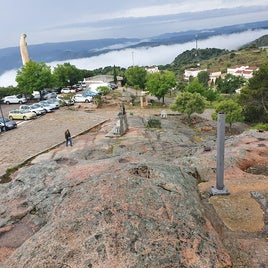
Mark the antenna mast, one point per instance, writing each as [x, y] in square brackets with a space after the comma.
[132, 58]
[196, 50]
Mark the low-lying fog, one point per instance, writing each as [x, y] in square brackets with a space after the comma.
[148, 56]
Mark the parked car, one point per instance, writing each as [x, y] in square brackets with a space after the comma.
[54, 101]
[50, 95]
[77, 87]
[65, 101]
[7, 124]
[46, 106]
[14, 99]
[53, 106]
[57, 90]
[33, 108]
[36, 95]
[113, 86]
[90, 92]
[82, 98]
[67, 90]
[21, 115]
[36, 108]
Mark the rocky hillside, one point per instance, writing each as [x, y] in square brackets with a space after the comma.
[131, 201]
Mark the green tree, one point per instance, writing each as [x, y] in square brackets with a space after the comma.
[158, 84]
[103, 90]
[10, 90]
[203, 78]
[196, 86]
[189, 103]
[115, 75]
[254, 96]
[97, 100]
[136, 77]
[229, 84]
[66, 74]
[181, 85]
[34, 76]
[232, 110]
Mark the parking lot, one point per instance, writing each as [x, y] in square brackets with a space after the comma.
[34, 136]
[6, 108]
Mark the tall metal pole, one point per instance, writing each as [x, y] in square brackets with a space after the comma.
[132, 58]
[220, 189]
[196, 50]
[3, 116]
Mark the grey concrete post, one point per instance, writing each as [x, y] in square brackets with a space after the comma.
[220, 189]
[220, 150]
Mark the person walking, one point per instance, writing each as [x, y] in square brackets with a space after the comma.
[68, 138]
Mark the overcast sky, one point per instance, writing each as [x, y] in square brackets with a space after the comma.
[60, 20]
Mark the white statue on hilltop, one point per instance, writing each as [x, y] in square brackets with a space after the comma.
[24, 49]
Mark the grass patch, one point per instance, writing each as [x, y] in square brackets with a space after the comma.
[6, 178]
[261, 127]
[110, 150]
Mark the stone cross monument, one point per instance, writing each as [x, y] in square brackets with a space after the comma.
[24, 49]
[121, 126]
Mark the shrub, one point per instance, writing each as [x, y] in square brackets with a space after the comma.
[154, 123]
[97, 100]
[103, 90]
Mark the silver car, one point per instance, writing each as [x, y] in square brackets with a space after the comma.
[82, 98]
[33, 108]
[37, 108]
[47, 104]
[54, 101]
[47, 107]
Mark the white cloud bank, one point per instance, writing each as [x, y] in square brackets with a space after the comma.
[160, 55]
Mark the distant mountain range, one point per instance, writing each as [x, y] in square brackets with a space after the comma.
[48, 52]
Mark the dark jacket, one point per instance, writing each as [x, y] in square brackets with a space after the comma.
[67, 134]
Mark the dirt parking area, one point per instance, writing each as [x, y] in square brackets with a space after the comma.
[35, 136]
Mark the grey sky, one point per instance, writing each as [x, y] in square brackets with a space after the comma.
[61, 20]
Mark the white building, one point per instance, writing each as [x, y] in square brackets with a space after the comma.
[152, 69]
[192, 72]
[245, 71]
[214, 75]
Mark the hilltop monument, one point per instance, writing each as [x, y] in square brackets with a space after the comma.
[24, 49]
